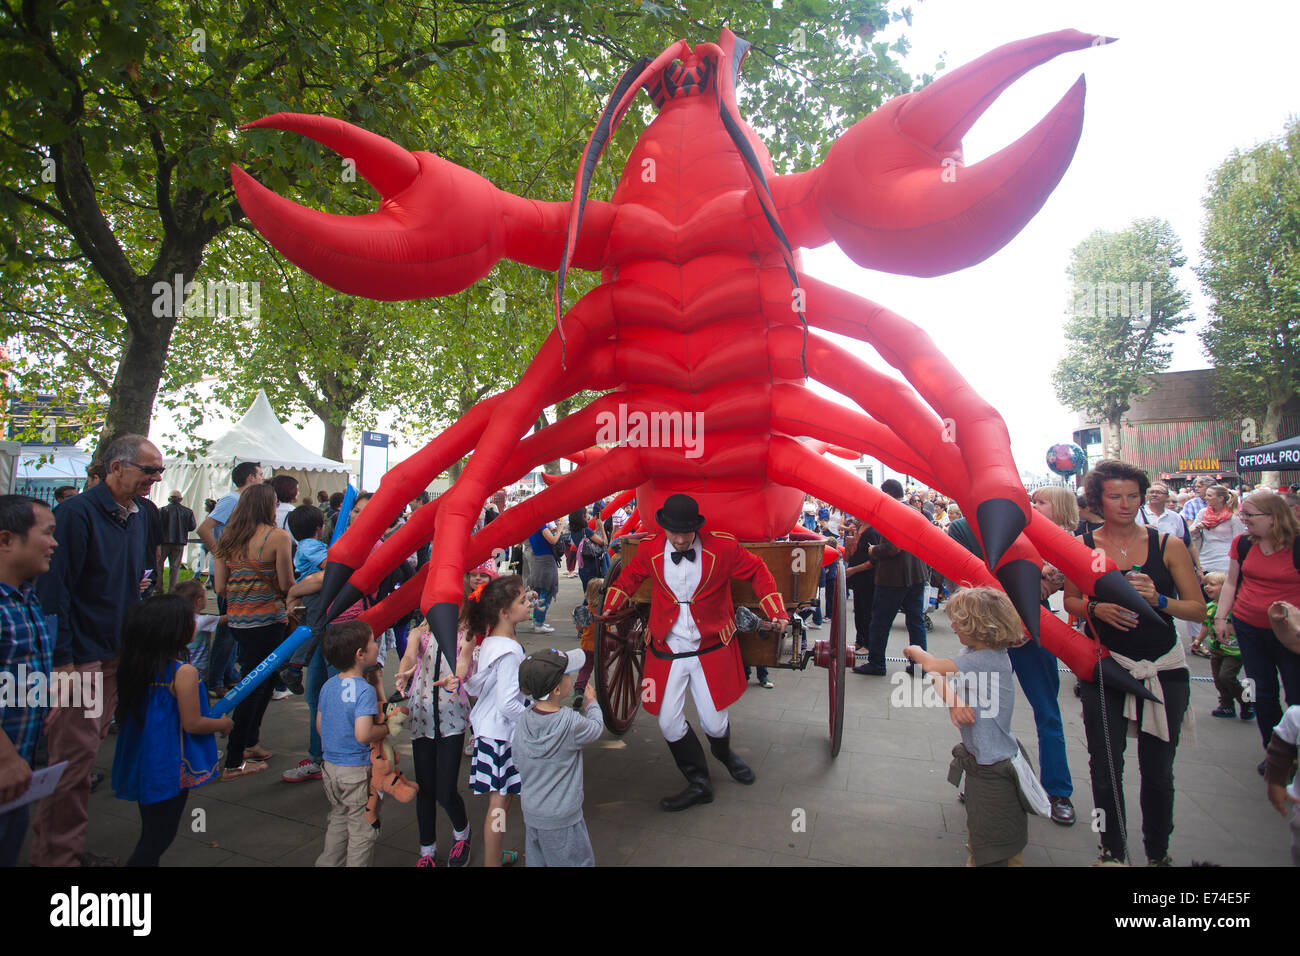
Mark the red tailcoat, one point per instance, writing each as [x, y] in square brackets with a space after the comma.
[721, 559]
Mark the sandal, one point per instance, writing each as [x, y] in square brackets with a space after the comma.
[509, 857]
[257, 753]
[243, 770]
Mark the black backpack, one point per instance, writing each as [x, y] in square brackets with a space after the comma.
[1243, 548]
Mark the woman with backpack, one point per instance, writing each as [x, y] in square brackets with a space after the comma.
[1264, 569]
[590, 546]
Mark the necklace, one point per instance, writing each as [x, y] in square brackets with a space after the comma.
[1124, 551]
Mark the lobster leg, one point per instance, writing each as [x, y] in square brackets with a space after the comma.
[567, 435]
[971, 423]
[1020, 568]
[789, 463]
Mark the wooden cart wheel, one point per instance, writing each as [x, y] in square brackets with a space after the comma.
[620, 652]
[834, 656]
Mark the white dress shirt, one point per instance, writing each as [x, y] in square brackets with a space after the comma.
[683, 578]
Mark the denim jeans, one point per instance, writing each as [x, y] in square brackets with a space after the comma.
[221, 662]
[1264, 658]
[543, 604]
[762, 673]
[1041, 682]
[885, 606]
[318, 672]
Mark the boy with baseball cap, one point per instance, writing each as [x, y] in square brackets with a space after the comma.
[547, 749]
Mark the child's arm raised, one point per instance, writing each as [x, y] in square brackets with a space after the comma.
[185, 687]
[928, 662]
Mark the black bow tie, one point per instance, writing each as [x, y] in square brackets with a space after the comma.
[688, 555]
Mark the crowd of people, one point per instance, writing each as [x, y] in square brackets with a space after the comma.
[82, 595]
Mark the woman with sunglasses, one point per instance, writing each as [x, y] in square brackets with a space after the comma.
[1265, 576]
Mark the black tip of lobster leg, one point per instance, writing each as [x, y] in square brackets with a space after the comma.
[1110, 673]
[332, 589]
[1113, 588]
[1022, 581]
[444, 620]
[1000, 523]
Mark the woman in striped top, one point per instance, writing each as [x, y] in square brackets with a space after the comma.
[253, 572]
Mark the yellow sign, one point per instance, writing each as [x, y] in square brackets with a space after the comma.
[1198, 464]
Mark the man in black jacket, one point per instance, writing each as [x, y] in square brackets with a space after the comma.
[860, 577]
[177, 523]
[900, 584]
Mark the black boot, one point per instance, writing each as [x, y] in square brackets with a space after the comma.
[695, 768]
[739, 770]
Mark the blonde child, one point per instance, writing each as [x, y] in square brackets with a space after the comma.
[1225, 656]
[347, 721]
[495, 611]
[1000, 784]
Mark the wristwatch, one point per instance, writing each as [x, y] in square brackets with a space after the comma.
[1092, 607]
[1163, 602]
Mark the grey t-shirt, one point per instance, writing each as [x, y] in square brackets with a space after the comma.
[984, 680]
[547, 750]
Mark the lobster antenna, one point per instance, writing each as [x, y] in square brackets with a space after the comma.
[619, 100]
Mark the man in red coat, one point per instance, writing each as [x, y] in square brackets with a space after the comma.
[692, 637]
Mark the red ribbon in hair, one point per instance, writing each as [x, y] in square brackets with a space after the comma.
[477, 593]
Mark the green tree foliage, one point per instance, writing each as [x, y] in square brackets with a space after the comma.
[120, 121]
[1250, 269]
[1124, 302]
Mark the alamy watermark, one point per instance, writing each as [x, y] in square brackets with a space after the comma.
[215, 299]
[639, 429]
[978, 690]
[1112, 300]
[32, 687]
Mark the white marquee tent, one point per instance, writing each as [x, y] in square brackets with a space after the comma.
[258, 436]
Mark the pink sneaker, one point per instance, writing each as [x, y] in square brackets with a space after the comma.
[306, 770]
[459, 855]
[426, 861]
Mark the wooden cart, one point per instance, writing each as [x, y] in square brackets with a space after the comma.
[795, 565]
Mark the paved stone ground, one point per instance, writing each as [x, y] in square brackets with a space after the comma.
[885, 801]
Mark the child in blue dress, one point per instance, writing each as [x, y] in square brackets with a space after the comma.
[165, 743]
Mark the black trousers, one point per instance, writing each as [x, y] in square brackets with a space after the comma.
[254, 644]
[862, 597]
[1155, 763]
[158, 825]
[437, 770]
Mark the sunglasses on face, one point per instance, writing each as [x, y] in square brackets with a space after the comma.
[147, 469]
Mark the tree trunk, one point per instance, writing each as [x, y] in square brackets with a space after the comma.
[332, 447]
[135, 386]
[1113, 436]
[1272, 427]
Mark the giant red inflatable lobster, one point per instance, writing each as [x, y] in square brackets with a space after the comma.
[702, 308]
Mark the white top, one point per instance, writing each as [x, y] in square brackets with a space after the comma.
[205, 622]
[1167, 522]
[282, 513]
[1288, 729]
[1216, 541]
[683, 578]
[495, 683]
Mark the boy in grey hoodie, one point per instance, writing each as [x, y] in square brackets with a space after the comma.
[547, 750]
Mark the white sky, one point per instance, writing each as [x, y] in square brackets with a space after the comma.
[1186, 83]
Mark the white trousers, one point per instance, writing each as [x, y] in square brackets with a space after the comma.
[689, 672]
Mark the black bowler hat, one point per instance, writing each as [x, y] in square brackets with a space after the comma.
[680, 515]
